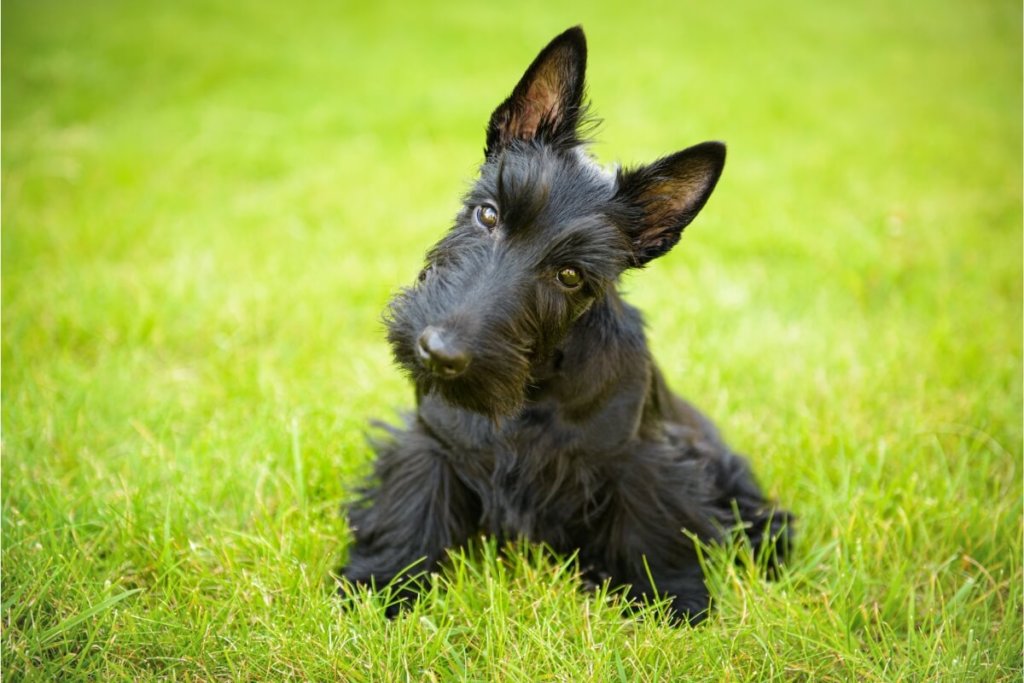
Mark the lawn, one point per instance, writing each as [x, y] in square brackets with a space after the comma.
[206, 205]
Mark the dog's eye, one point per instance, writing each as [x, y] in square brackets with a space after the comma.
[570, 278]
[486, 216]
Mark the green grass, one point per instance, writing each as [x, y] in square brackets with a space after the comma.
[206, 206]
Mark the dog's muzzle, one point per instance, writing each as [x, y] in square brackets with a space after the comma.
[441, 356]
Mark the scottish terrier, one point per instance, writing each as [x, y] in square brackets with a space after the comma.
[540, 412]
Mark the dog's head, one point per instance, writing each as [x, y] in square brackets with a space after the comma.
[542, 235]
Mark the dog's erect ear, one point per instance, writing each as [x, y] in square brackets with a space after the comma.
[662, 198]
[548, 99]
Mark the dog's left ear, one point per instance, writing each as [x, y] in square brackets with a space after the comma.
[662, 198]
[548, 99]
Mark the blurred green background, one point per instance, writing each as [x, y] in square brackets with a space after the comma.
[206, 205]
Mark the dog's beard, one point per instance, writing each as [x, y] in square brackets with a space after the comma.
[494, 384]
[480, 392]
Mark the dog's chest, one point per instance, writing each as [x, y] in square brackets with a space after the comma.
[537, 475]
[543, 482]
[541, 498]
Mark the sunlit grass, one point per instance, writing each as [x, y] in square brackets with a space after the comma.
[206, 206]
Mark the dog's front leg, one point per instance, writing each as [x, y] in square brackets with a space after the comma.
[658, 512]
[684, 586]
[652, 564]
[413, 511]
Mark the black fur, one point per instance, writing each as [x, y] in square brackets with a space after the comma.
[540, 412]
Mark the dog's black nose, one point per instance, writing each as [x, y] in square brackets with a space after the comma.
[442, 358]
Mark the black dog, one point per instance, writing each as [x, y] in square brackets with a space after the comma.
[541, 414]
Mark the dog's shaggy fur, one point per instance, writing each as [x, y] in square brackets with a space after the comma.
[540, 412]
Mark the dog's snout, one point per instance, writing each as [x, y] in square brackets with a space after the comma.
[441, 356]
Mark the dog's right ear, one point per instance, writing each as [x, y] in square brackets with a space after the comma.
[548, 99]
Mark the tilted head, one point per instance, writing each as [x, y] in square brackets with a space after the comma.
[542, 235]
